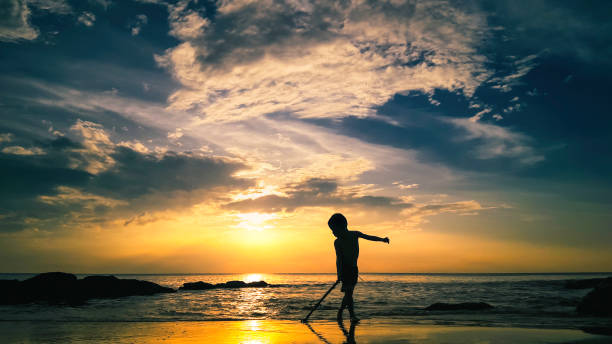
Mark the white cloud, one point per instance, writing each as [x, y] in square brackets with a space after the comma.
[497, 141]
[323, 60]
[135, 145]
[6, 137]
[96, 150]
[87, 19]
[141, 20]
[177, 134]
[52, 6]
[520, 68]
[18, 150]
[15, 17]
[406, 186]
[184, 23]
[479, 114]
[15, 22]
[68, 195]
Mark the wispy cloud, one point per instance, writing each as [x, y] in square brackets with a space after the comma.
[320, 60]
[496, 141]
[87, 19]
[140, 21]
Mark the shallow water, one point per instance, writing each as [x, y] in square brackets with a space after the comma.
[526, 300]
[280, 331]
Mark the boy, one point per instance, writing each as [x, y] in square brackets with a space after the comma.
[347, 252]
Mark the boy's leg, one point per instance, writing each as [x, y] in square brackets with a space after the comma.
[348, 296]
[342, 304]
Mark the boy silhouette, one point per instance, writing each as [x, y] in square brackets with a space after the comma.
[347, 252]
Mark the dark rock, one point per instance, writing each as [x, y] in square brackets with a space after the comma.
[53, 287]
[472, 306]
[197, 286]
[586, 283]
[233, 284]
[63, 288]
[598, 301]
[227, 285]
[8, 290]
[258, 284]
[111, 286]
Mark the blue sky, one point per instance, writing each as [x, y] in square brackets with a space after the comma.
[471, 118]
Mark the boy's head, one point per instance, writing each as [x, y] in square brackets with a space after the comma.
[338, 224]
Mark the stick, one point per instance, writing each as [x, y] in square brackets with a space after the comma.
[318, 303]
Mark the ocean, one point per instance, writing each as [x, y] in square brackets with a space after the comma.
[519, 300]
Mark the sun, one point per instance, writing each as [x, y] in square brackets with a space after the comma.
[255, 221]
[253, 278]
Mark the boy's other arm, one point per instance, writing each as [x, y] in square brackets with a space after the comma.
[372, 237]
[338, 260]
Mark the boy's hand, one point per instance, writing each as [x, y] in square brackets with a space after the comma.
[386, 239]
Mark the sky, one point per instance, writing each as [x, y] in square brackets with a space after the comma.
[152, 136]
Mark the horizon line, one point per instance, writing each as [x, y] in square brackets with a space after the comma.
[320, 273]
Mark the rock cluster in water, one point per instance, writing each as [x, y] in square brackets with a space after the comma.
[598, 301]
[227, 285]
[65, 288]
[472, 306]
[586, 283]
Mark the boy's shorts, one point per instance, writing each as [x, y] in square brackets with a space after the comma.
[349, 277]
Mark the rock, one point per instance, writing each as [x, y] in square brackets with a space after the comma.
[598, 301]
[111, 286]
[233, 284]
[227, 285]
[586, 283]
[8, 290]
[197, 286]
[63, 288]
[53, 287]
[472, 306]
[258, 284]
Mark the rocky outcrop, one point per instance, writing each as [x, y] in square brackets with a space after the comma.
[64, 288]
[586, 283]
[471, 306]
[598, 301]
[227, 285]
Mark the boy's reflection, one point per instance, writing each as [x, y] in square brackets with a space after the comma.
[349, 335]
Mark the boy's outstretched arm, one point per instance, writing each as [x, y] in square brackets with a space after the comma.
[372, 237]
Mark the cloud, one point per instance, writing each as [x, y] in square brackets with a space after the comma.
[185, 23]
[6, 137]
[406, 186]
[93, 181]
[53, 6]
[496, 141]
[18, 150]
[314, 192]
[15, 16]
[15, 22]
[519, 68]
[327, 193]
[140, 21]
[87, 19]
[320, 60]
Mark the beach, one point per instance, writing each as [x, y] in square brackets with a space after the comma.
[279, 331]
[522, 308]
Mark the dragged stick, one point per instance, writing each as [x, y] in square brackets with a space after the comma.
[318, 303]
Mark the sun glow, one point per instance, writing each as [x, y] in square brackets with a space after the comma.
[255, 221]
[253, 278]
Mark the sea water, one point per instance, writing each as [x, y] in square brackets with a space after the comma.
[523, 300]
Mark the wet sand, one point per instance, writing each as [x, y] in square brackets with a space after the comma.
[275, 331]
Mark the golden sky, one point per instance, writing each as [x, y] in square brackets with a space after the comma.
[194, 136]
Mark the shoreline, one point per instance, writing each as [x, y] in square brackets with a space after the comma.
[280, 331]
